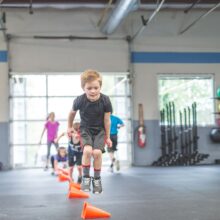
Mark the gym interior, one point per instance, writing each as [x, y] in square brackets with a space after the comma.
[160, 66]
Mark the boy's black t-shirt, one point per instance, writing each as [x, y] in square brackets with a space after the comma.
[92, 113]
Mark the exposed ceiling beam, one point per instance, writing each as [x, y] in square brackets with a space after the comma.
[199, 18]
[105, 11]
[145, 22]
[192, 6]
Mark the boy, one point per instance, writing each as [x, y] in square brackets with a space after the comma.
[74, 151]
[95, 109]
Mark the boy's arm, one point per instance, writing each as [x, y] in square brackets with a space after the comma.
[107, 124]
[71, 118]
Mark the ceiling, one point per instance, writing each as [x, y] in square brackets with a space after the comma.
[120, 10]
[103, 1]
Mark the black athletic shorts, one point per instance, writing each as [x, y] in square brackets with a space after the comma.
[93, 137]
[114, 139]
[75, 158]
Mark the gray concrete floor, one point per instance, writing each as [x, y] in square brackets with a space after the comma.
[175, 193]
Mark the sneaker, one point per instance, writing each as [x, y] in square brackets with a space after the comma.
[117, 164]
[85, 184]
[52, 173]
[79, 180]
[97, 185]
[45, 168]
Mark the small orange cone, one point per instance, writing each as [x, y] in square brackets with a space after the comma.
[62, 177]
[90, 211]
[75, 185]
[75, 193]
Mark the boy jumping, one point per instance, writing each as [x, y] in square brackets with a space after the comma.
[95, 109]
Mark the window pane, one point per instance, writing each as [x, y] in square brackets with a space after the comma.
[183, 91]
[31, 85]
[124, 133]
[64, 85]
[28, 108]
[30, 156]
[61, 107]
[115, 85]
[27, 132]
[122, 151]
[121, 106]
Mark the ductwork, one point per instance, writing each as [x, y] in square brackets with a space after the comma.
[121, 10]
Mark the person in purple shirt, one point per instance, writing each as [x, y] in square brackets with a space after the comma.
[59, 160]
[51, 126]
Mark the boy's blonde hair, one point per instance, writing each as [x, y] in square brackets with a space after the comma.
[89, 76]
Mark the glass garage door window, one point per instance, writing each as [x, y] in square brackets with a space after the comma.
[32, 97]
[183, 90]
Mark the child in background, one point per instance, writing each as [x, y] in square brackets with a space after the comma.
[116, 123]
[95, 109]
[74, 151]
[59, 160]
[52, 128]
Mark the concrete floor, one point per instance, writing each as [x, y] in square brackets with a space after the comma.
[176, 193]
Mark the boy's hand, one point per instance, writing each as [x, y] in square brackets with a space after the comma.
[108, 142]
[70, 131]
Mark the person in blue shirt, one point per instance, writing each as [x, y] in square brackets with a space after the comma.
[116, 123]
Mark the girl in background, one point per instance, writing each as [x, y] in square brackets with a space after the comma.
[59, 160]
[51, 126]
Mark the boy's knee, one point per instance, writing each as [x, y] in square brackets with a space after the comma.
[97, 153]
[87, 151]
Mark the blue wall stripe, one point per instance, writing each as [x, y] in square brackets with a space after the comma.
[3, 56]
[174, 57]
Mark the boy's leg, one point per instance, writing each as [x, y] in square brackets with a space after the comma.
[71, 172]
[96, 182]
[99, 144]
[79, 166]
[97, 155]
[71, 163]
[86, 158]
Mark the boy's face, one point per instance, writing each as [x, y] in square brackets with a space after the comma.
[92, 90]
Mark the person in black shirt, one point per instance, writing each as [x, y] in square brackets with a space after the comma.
[95, 109]
[74, 151]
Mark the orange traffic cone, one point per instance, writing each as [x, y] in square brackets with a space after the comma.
[90, 211]
[74, 185]
[75, 193]
[62, 177]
